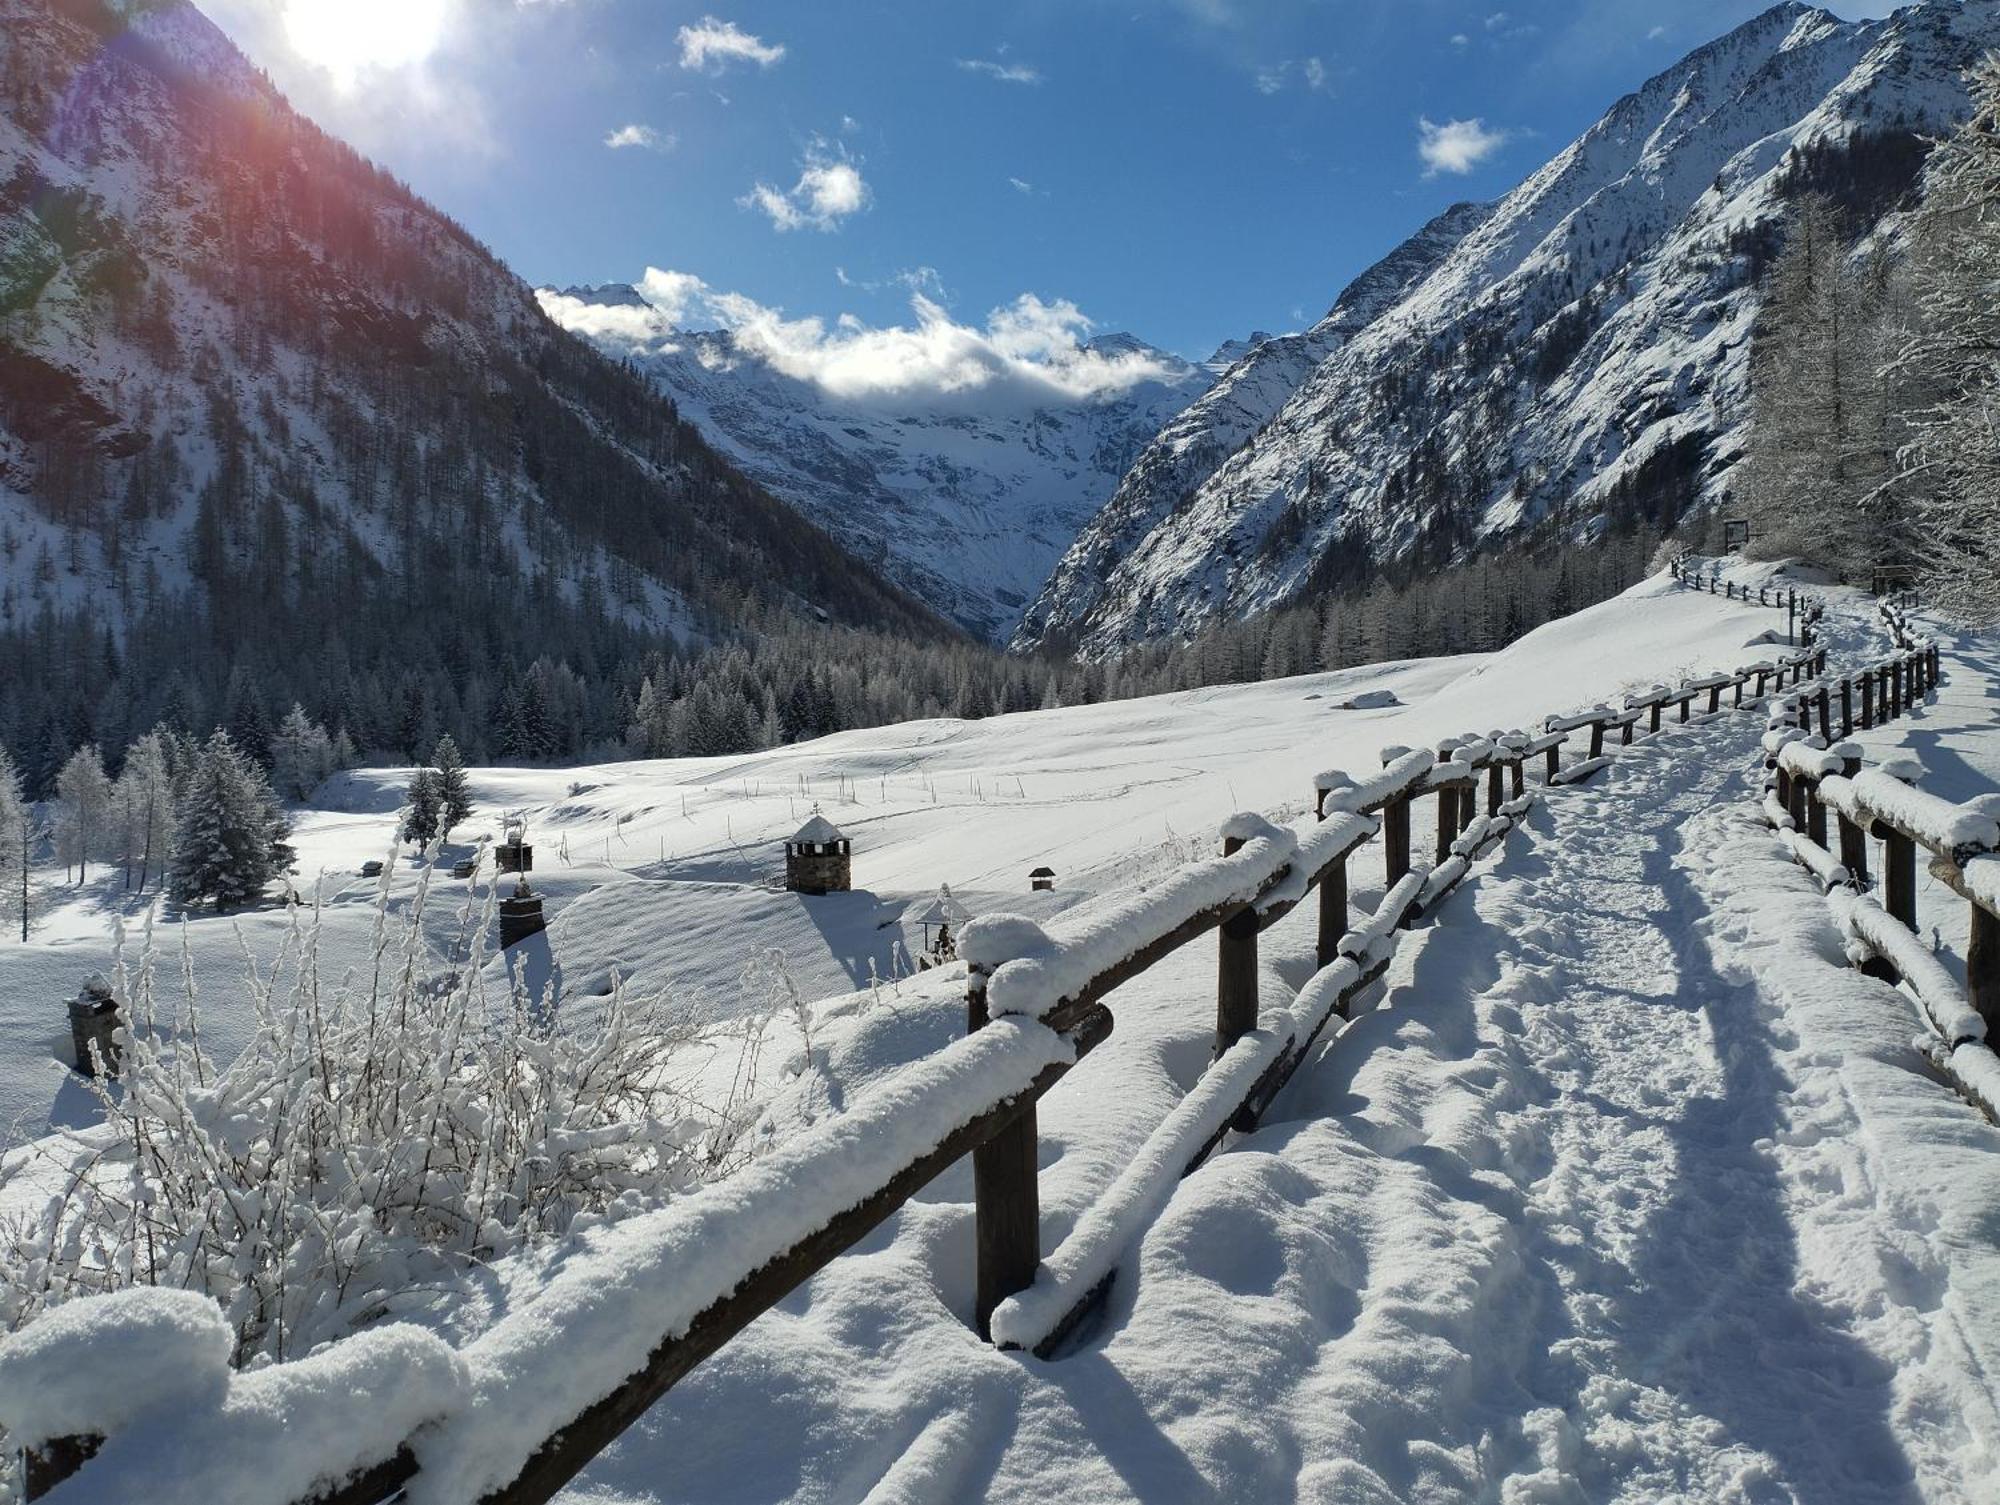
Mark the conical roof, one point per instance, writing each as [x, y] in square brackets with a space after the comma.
[817, 832]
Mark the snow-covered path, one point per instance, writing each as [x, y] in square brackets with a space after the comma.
[1590, 1208]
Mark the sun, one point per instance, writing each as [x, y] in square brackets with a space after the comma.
[350, 37]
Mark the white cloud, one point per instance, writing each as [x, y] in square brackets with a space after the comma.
[1006, 73]
[712, 45]
[829, 189]
[1029, 352]
[1460, 39]
[1457, 146]
[1272, 79]
[1021, 185]
[641, 136]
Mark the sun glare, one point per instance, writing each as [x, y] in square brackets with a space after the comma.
[350, 37]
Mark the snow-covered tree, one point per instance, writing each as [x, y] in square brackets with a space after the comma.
[454, 794]
[302, 755]
[144, 806]
[230, 836]
[1948, 362]
[17, 845]
[83, 810]
[421, 808]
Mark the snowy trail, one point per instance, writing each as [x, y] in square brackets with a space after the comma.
[1586, 1210]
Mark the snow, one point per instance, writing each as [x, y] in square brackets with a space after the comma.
[1095, 940]
[1401, 773]
[1617, 1163]
[1388, 916]
[98, 1364]
[1936, 823]
[638, 1282]
[280, 1431]
[817, 832]
[1944, 1002]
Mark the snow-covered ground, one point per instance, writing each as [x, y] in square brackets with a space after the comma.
[1621, 1186]
[671, 872]
[1627, 1189]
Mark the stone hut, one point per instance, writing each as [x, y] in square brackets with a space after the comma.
[818, 859]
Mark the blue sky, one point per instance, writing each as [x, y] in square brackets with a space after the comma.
[1189, 170]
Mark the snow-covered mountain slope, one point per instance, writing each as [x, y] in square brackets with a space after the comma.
[242, 365]
[965, 493]
[1262, 375]
[1579, 358]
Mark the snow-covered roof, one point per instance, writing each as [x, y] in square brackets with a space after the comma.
[817, 831]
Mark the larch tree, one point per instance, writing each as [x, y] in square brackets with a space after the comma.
[83, 809]
[1947, 364]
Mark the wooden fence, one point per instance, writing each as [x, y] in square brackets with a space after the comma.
[1814, 772]
[1043, 998]
[1802, 613]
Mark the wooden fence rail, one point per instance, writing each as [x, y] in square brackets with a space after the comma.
[1051, 990]
[1811, 776]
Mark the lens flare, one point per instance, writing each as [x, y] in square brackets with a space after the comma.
[351, 37]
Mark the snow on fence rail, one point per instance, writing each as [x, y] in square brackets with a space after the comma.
[1811, 774]
[557, 1379]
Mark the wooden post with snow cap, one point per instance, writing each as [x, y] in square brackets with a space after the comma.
[1825, 699]
[1395, 827]
[1493, 798]
[1447, 810]
[1332, 914]
[1235, 970]
[1853, 840]
[1006, 1194]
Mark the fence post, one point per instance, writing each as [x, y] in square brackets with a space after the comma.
[1867, 700]
[1653, 726]
[1554, 756]
[1896, 701]
[1235, 971]
[1714, 699]
[1332, 913]
[1795, 801]
[1846, 709]
[1982, 969]
[1815, 813]
[1597, 739]
[1468, 803]
[1825, 714]
[1493, 799]
[1447, 814]
[1396, 835]
[1853, 840]
[1006, 1196]
[1899, 874]
[1520, 779]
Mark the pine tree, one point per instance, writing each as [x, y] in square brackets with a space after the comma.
[421, 808]
[454, 794]
[230, 835]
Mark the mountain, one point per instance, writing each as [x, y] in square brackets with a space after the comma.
[1260, 375]
[262, 408]
[966, 495]
[1573, 359]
